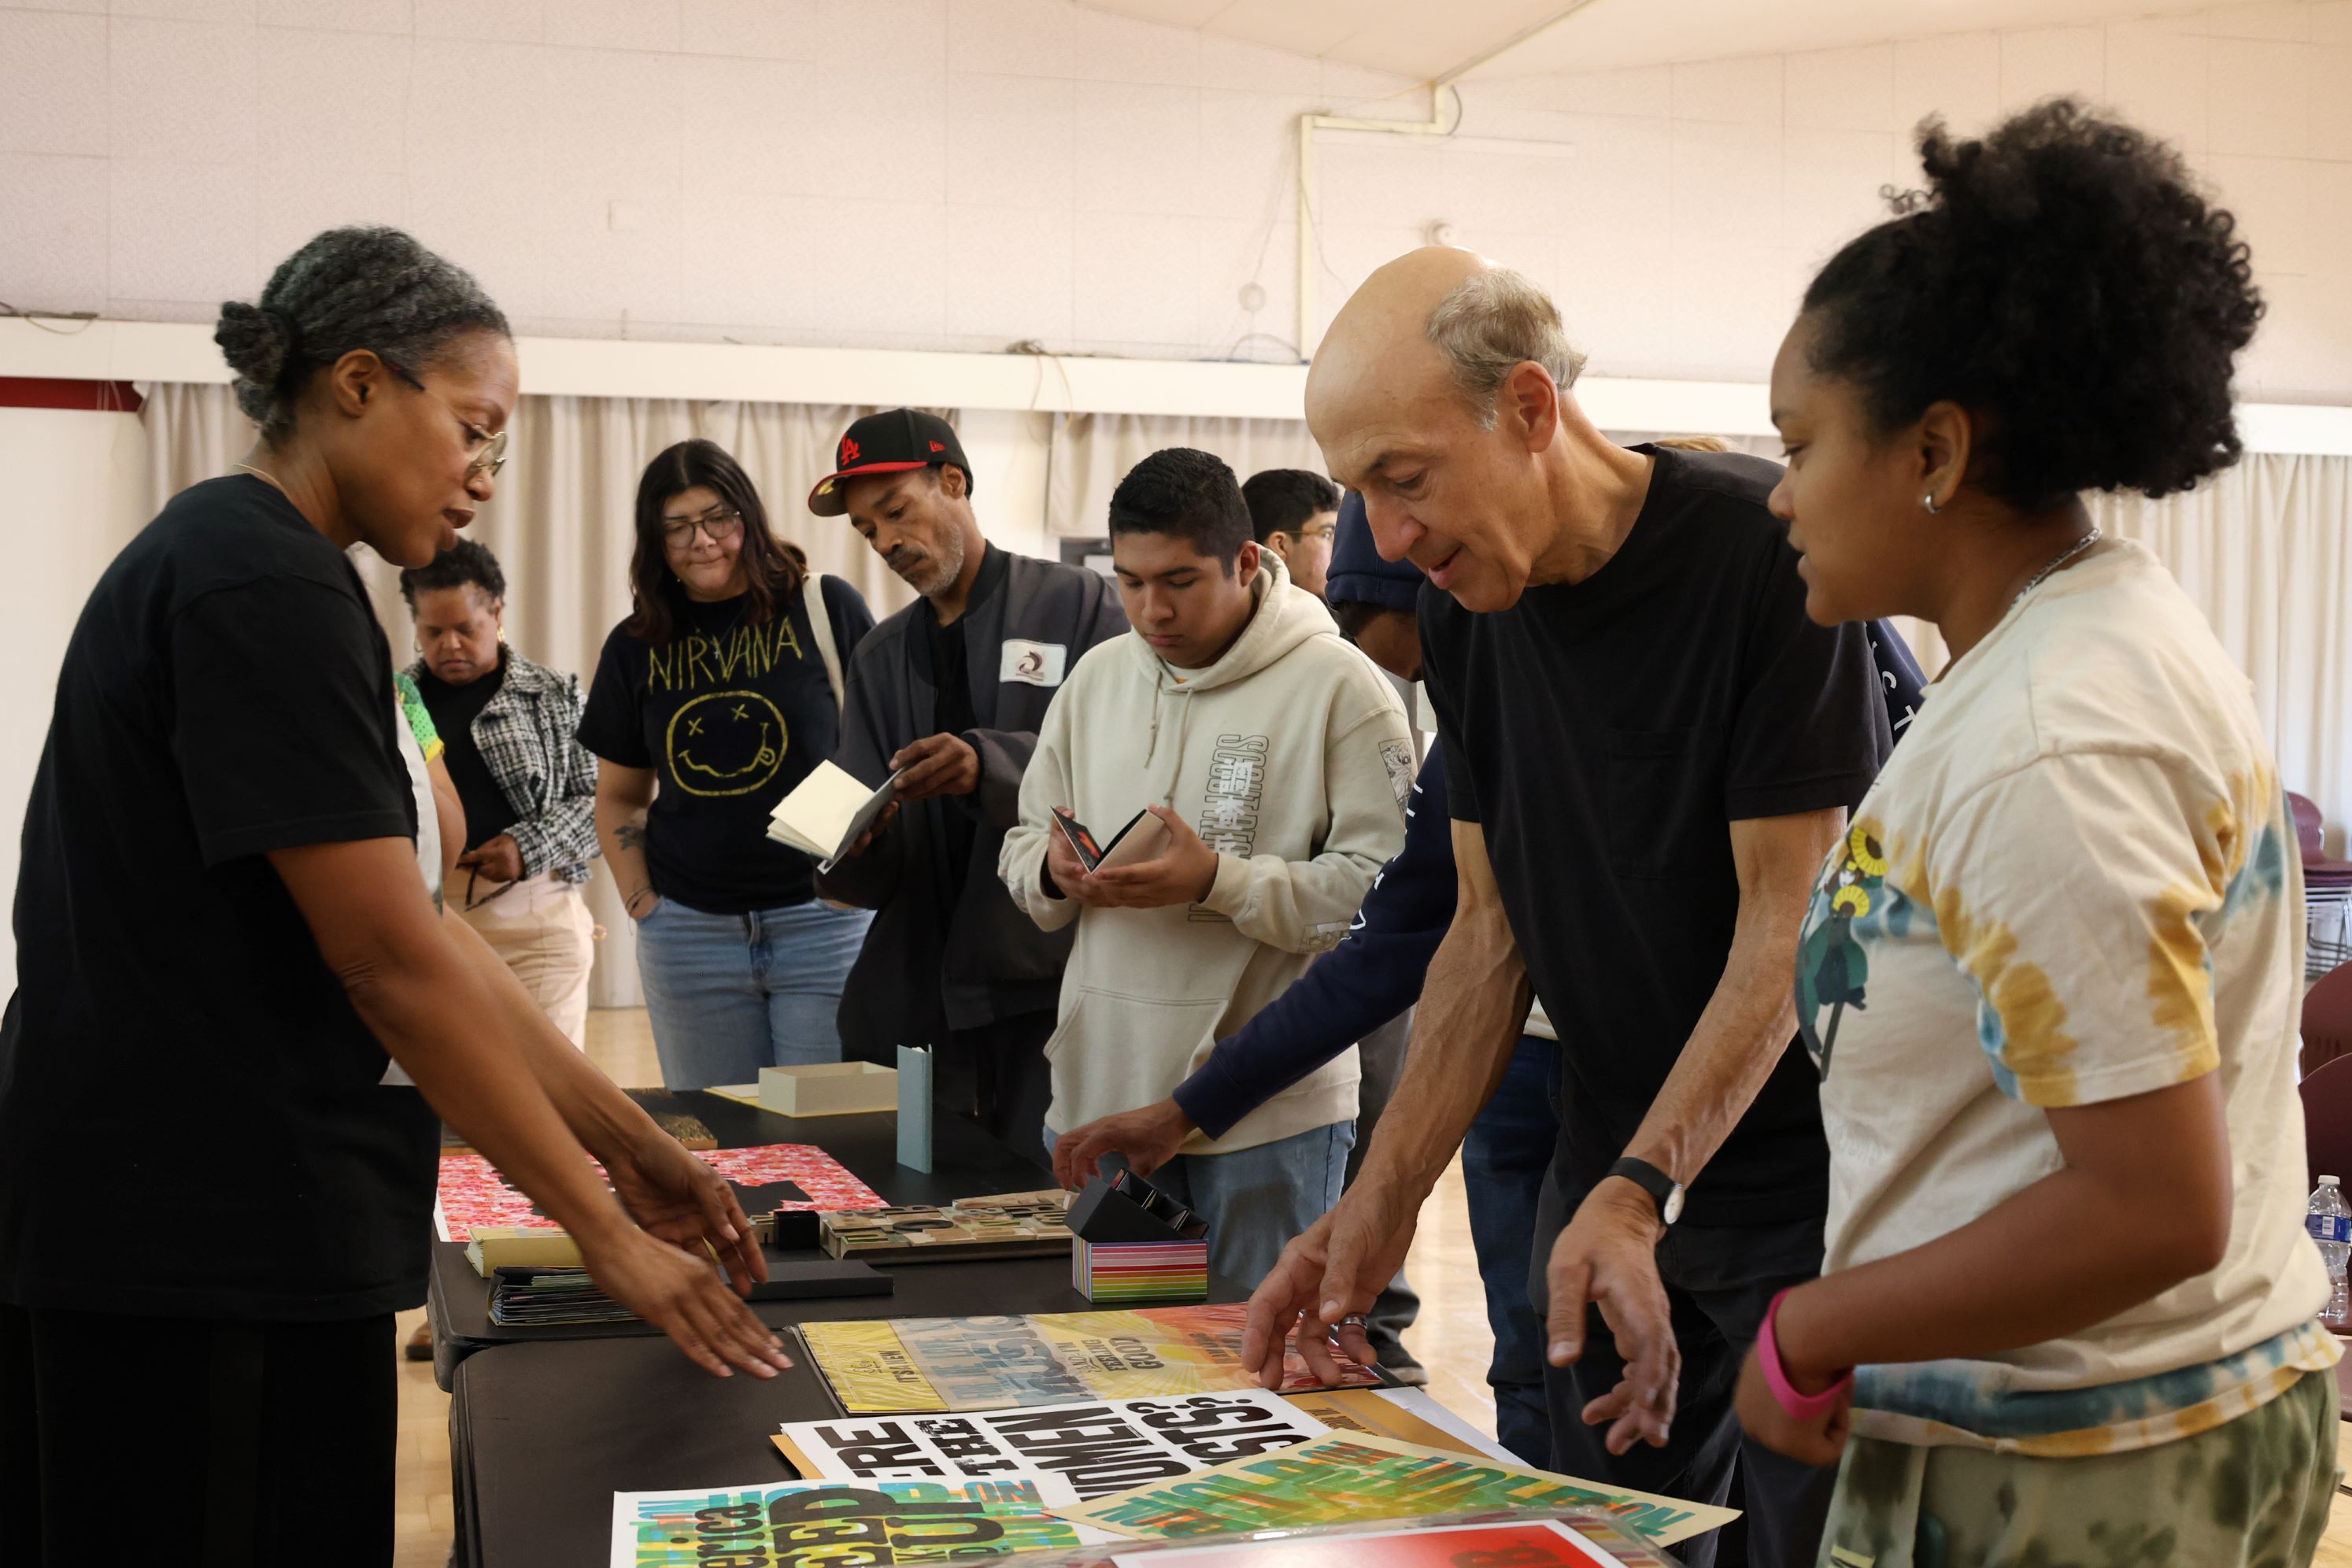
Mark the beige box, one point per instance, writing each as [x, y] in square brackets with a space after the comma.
[829, 1089]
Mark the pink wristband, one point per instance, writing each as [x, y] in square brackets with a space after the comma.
[1800, 1406]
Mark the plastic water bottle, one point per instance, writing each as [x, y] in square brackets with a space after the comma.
[2330, 1225]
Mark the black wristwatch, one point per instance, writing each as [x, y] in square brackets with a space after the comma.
[1664, 1190]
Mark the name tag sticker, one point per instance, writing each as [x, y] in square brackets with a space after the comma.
[1031, 663]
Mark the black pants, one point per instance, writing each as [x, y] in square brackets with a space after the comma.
[215, 1445]
[997, 1075]
[1718, 1279]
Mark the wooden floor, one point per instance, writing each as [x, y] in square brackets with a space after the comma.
[1451, 1339]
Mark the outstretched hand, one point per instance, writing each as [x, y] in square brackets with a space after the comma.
[1331, 1272]
[1148, 1138]
[683, 1201]
[1607, 1256]
[680, 1294]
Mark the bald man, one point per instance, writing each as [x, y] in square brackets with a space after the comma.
[1656, 804]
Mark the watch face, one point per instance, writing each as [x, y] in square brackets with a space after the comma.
[1672, 1209]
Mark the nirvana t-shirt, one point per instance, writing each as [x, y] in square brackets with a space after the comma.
[488, 813]
[2076, 882]
[1606, 734]
[175, 1046]
[730, 716]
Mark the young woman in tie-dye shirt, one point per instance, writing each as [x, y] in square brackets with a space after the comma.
[2051, 980]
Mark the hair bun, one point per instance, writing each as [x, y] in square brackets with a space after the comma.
[258, 343]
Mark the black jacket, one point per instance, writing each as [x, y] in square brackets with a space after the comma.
[926, 968]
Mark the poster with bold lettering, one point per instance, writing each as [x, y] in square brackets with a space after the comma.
[473, 1192]
[1353, 1475]
[827, 1525]
[911, 1365]
[1100, 1447]
[1582, 1542]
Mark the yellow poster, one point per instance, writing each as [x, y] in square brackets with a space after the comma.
[870, 1371]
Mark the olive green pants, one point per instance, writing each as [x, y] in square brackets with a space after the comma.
[2252, 1493]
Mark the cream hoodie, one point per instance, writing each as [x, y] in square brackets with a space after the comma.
[1290, 756]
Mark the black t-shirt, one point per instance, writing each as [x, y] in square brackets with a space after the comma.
[1605, 733]
[454, 709]
[731, 716]
[942, 656]
[193, 1121]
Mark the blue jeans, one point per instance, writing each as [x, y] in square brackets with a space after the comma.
[1503, 1163]
[730, 995]
[1255, 1199]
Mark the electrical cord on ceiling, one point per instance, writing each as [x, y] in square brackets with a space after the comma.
[42, 318]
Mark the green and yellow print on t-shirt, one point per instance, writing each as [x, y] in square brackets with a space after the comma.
[1832, 967]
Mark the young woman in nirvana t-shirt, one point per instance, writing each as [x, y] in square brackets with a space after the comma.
[709, 704]
[2051, 980]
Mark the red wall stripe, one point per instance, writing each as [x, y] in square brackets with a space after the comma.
[56, 392]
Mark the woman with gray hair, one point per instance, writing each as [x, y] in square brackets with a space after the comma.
[222, 750]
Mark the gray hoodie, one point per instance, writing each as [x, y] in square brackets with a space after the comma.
[1291, 757]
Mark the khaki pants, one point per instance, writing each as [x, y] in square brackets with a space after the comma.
[541, 929]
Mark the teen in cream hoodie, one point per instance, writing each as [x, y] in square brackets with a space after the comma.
[1291, 758]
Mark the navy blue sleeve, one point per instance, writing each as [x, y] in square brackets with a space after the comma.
[1371, 976]
[845, 607]
[1900, 679]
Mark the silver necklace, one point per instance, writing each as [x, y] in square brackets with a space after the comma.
[2061, 559]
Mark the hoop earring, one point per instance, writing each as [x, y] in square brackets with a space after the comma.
[1929, 502]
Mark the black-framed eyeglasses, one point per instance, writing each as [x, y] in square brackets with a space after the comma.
[493, 455]
[720, 523]
[473, 876]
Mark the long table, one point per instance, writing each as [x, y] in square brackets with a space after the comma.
[966, 1163]
[546, 1424]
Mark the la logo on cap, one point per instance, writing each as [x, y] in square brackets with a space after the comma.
[848, 451]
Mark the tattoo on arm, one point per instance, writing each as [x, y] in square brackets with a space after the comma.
[631, 835]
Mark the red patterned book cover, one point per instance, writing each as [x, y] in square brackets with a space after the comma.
[798, 1175]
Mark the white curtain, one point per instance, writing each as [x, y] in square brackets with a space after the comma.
[2264, 548]
[561, 526]
[1091, 453]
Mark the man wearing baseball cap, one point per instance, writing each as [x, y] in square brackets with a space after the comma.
[948, 693]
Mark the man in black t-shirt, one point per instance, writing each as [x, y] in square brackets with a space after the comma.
[1650, 750]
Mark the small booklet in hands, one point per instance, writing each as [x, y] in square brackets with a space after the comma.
[1144, 837]
[828, 813]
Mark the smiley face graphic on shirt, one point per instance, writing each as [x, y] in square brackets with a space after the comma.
[726, 743]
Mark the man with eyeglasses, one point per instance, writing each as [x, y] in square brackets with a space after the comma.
[1294, 513]
[949, 693]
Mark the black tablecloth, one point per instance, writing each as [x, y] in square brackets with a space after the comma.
[966, 1163]
[542, 1435]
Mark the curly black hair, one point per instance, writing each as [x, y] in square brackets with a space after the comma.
[463, 563]
[1281, 500]
[2064, 280]
[1187, 493]
[347, 289]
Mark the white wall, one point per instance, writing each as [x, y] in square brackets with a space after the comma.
[77, 478]
[964, 174]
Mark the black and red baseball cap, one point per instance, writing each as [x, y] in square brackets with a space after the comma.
[887, 443]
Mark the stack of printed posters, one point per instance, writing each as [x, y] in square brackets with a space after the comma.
[1358, 1476]
[824, 1524]
[893, 1366]
[788, 1177]
[1019, 1224]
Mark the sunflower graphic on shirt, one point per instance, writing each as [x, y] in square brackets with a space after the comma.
[1831, 966]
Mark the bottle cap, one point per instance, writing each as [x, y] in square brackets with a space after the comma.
[2329, 1181]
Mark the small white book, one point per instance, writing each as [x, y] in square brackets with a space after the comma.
[825, 815]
